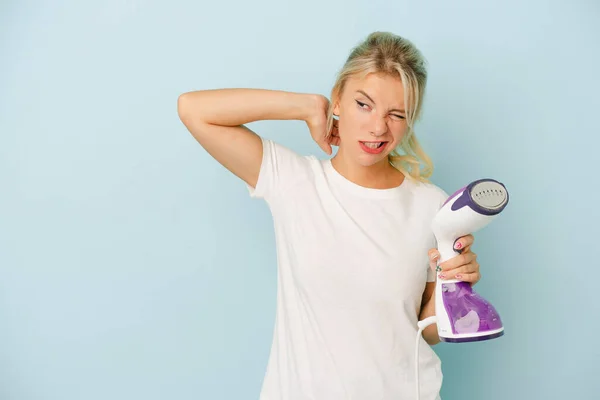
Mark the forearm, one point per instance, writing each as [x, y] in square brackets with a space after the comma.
[430, 333]
[234, 107]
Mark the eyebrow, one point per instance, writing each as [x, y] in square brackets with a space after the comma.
[373, 101]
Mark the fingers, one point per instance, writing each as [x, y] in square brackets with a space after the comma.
[334, 138]
[464, 243]
[467, 272]
[460, 271]
[463, 267]
[434, 256]
[472, 277]
[458, 261]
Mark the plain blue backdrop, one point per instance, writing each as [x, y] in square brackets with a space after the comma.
[133, 266]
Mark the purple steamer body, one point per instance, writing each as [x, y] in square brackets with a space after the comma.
[469, 313]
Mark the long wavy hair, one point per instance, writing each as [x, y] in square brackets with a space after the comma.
[387, 53]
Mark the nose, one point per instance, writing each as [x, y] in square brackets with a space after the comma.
[379, 125]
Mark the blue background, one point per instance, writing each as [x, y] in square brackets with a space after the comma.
[133, 266]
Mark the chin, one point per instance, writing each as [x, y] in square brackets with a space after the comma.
[367, 160]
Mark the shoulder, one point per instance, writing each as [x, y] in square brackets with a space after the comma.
[281, 170]
[286, 160]
[430, 193]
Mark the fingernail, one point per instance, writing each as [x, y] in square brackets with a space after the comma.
[442, 276]
[458, 276]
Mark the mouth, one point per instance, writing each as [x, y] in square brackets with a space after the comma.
[373, 147]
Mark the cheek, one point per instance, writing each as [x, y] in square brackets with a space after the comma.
[354, 122]
[350, 127]
[399, 133]
[346, 129]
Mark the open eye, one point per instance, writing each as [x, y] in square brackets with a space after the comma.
[361, 105]
[365, 106]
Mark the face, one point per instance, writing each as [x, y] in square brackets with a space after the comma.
[372, 120]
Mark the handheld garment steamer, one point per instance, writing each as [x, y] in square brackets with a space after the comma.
[461, 314]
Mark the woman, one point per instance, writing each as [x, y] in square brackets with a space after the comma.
[352, 232]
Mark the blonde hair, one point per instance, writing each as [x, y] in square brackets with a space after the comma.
[387, 53]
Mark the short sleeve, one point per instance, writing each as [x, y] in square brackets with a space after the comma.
[280, 167]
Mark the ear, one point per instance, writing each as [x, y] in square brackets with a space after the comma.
[336, 109]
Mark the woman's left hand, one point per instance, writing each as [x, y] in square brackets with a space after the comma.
[463, 267]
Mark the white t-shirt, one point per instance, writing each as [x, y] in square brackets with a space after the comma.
[352, 267]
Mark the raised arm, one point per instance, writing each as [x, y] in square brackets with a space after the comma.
[216, 119]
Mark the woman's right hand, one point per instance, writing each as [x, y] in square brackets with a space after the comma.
[317, 124]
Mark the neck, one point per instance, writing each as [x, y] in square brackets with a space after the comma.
[377, 176]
